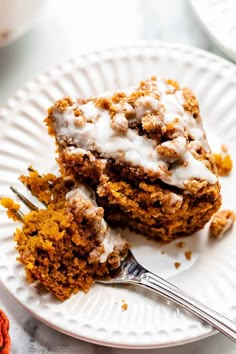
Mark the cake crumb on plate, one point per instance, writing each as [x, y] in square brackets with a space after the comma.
[177, 265]
[224, 148]
[223, 161]
[124, 305]
[188, 255]
[181, 244]
[221, 222]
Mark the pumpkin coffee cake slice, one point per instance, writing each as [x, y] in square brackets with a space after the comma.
[144, 152]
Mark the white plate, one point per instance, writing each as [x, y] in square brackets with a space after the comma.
[97, 316]
[218, 17]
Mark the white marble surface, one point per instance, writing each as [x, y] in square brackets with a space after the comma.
[67, 28]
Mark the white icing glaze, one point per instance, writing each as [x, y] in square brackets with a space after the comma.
[195, 133]
[146, 104]
[120, 121]
[98, 135]
[172, 107]
[182, 174]
[175, 198]
[70, 150]
[101, 137]
[111, 241]
[107, 237]
[194, 145]
[84, 192]
[178, 145]
[163, 86]
[89, 110]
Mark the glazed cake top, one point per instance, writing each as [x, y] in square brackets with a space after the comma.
[155, 126]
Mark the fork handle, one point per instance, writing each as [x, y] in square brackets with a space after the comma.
[173, 293]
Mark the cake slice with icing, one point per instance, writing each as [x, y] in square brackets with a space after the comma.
[144, 152]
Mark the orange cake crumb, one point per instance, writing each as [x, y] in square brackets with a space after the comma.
[188, 255]
[181, 244]
[11, 207]
[224, 148]
[224, 164]
[221, 222]
[124, 306]
[177, 265]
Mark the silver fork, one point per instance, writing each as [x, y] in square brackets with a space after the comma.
[132, 272]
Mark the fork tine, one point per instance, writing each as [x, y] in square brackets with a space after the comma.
[19, 214]
[25, 200]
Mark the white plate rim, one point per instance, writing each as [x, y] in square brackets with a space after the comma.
[105, 343]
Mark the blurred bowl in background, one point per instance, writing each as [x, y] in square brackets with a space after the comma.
[16, 17]
[218, 19]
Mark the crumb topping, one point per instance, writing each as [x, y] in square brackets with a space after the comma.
[128, 125]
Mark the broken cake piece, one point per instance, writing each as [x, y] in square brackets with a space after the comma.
[221, 222]
[67, 244]
[144, 152]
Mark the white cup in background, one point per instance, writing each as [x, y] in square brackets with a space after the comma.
[16, 17]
